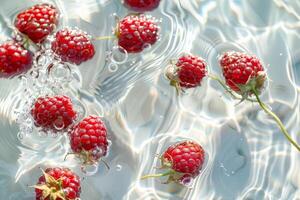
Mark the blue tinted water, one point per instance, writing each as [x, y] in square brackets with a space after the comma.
[247, 156]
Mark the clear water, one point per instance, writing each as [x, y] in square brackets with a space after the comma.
[247, 156]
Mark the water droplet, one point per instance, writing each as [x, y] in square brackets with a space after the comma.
[89, 170]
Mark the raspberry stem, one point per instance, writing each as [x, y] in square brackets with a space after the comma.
[105, 38]
[170, 172]
[213, 77]
[276, 118]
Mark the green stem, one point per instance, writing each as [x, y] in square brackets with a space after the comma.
[276, 118]
[157, 175]
[227, 89]
[105, 38]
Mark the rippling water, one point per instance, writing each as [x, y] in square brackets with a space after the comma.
[247, 156]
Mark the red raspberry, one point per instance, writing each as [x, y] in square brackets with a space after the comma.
[137, 32]
[58, 184]
[242, 72]
[14, 59]
[188, 72]
[73, 45]
[182, 160]
[54, 113]
[37, 22]
[88, 139]
[142, 5]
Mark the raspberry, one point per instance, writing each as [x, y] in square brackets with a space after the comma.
[88, 139]
[142, 5]
[58, 184]
[137, 32]
[188, 72]
[54, 113]
[73, 45]
[37, 22]
[14, 59]
[182, 160]
[242, 72]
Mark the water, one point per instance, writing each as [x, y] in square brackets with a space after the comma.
[247, 156]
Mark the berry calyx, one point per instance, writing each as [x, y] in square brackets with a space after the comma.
[142, 5]
[137, 32]
[58, 184]
[37, 22]
[14, 59]
[55, 113]
[187, 72]
[181, 161]
[88, 139]
[73, 46]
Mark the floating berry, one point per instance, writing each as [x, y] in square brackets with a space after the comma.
[55, 113]
[88, 139]
[188, 72]
[73, 45]
[142, 5]
[242, 72]
[37, 22]
[183, 160]
[245, 75]
[14, 59]
[137, 32]
[58, 184]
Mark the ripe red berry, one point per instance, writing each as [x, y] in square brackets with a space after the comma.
[183, 160]
[188, 72]
[88, 139]
[58, 184]
[142, 5]
[54, 113]
[137, 32]
[73, 45]
[14, 59]
[37, 22]
[242, 72]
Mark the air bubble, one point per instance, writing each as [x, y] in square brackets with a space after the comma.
[90, 170]
[20, 136]
[59, 124]
[187, 181]
[146, 47]
[80, 111]
[119, 167]
[118, 55]
[60, 72]
[41, 60]
[112, 67]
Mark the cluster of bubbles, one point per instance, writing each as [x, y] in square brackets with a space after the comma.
[48, 76]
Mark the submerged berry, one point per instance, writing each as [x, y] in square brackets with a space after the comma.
[137, 32]
[55, 113]
[142, 5]
[37, 22]
[73, 45]
[14, 59]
